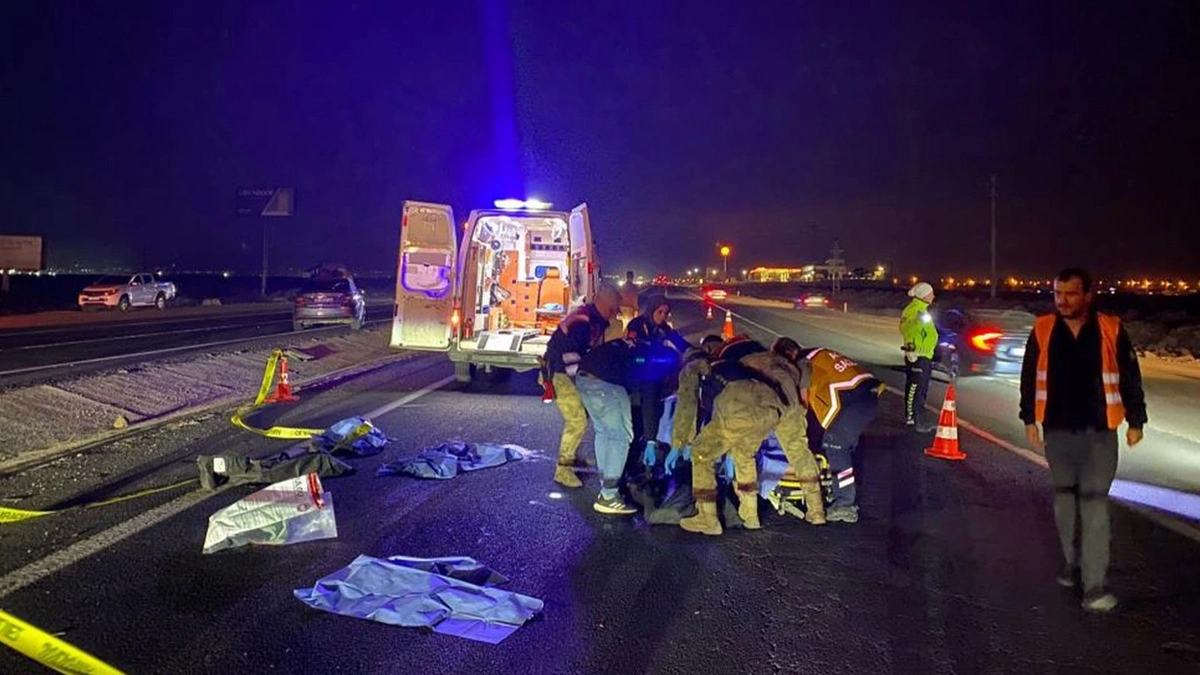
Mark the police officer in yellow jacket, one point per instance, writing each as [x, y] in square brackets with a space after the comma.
[843, 400]
[920, 338]
[753, 393]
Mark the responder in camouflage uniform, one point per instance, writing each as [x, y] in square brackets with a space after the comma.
[583, 330]
[753, 393]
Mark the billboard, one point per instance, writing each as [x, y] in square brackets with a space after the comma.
[20, 253]
[260, 201]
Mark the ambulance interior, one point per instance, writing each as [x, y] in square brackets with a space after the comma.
[517, 276]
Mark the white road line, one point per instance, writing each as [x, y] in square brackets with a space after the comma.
[60, 560]
[1177, 526]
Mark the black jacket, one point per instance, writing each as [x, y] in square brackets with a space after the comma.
[1074, 389]
[581, 331]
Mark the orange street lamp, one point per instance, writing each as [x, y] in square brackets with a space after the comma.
[725, 251]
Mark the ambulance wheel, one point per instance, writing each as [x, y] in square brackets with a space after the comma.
[464, 372]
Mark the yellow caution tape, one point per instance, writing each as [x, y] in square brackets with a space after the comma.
[8, 515]
[49, 650]
[264, 389]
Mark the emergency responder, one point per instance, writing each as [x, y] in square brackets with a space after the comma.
[753, 393]
[1080, 379]
[603, 387]
[578, 333]
[659, 352]
[920, 338]
[843, 400]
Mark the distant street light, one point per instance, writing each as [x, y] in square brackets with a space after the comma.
[725, 251]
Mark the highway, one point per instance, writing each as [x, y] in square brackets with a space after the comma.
[950, 569]
[76, 342]
[1169, 457]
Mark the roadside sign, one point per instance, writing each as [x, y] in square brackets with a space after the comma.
[260, 201]
[20, 253]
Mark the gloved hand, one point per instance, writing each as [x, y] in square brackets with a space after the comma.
[673, 458]
[650, 454]
[725, 468]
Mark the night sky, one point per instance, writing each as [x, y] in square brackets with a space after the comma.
[127, 127]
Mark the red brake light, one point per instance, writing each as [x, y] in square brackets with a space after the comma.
[985, 339]
[300, 301]
[347, 301]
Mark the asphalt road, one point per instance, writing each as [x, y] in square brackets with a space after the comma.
[42, 353]
[950, 569]
[1169, 457]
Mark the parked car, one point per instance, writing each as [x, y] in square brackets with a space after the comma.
[123, 293]
[329, 297]
[812, 301]
[981, 341]
[711, 293]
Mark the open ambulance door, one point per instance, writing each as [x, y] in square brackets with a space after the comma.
[585, 270]
[426, 278]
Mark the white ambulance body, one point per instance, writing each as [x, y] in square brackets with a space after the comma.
[493, 298]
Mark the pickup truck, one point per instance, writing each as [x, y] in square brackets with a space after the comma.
[138, 290]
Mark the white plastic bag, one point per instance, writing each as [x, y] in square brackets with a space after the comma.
[666, 424]
[288, 512]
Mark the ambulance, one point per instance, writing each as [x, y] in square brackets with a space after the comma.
[492, 298]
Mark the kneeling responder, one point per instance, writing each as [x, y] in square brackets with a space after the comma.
[843, 399]
[753, 393]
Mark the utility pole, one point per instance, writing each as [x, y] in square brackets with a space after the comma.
[995, 194]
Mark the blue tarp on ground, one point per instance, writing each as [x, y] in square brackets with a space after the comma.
[425, 593]
[352, 437]
[447, 460]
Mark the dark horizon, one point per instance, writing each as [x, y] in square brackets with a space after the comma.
[128, 130]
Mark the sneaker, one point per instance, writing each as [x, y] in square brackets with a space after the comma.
[1099, 601]
[842, 514]
[1068, 576]
[613, 506]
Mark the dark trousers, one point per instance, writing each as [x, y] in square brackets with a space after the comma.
[1082, 467]
[858, 408]
[916, 386]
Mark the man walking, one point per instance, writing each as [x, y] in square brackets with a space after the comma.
[1079, 381]
[920, 341]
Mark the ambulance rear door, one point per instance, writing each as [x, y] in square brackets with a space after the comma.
[585, 270]
[426, 278]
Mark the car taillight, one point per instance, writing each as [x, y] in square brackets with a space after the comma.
[300, 302]
[985, 340]
[347, 301]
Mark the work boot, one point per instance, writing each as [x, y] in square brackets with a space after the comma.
[705, 521]
[565, 476]
[814, 504]
[748, 510]
[1068, 576]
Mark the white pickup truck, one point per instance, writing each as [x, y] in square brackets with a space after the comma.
[138, 290]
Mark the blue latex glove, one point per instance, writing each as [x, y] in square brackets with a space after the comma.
[673, 458]
[725, 468]
[650, 454]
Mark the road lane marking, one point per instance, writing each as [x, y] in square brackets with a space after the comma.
[62, 559]
[48, 345]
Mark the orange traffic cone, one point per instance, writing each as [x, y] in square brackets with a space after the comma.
[708, 315]
[727, 329]
[283, 391]
[945, 441]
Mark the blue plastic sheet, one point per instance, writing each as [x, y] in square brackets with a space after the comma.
[447, 460]
[352, 437]
[425, 593]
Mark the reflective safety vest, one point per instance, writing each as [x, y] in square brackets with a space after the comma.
[831, 374]
[1110, 373]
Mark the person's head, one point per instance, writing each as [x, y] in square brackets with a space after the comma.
[1073, 293]
[608, 301]
[711, 343]
[922, 291]
[787, 348]
[629, 276]
[657, 309]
